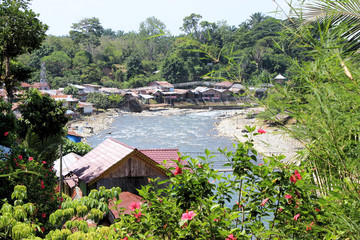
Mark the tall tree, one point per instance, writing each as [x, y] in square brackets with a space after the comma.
[20, 32]
[87, 32]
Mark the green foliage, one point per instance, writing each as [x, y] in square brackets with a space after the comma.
[71, 90]
[8, 124]
[42, 115]
[57, 62]
[79, 148]
[100, 100]
[14, 41]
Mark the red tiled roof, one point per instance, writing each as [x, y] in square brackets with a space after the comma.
[101, 158]
[159, 155]
[127, 198]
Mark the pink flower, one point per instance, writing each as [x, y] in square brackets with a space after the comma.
[31, 158]
[316, 209]
[297, 174]
[264, 201]
[43, 162]
[288, 196]
[231, 237]
[134, 205]
[296, 217]
[138, 215]
[199, 165]
[125, 238]
[216, 220]
[188, 215]
[261, 131]
[260, 164]
[42, 184]
[293, 179]
[280, 209]
[43, 215]
[20, 157]
[6, 133]
[177, 171]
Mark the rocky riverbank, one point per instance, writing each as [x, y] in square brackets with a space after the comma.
[88, 125]
[231, 124]
[275, 141]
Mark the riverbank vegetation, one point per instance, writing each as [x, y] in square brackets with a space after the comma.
[317, 198]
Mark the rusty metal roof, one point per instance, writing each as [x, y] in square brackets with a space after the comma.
[101, 158]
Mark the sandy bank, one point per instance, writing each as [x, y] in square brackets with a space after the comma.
[275, 141]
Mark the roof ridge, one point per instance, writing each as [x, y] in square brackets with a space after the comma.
[159, 149]
[117, 141]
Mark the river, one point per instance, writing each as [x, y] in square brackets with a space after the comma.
[191, 133]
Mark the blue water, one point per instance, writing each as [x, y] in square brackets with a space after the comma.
[191, 133]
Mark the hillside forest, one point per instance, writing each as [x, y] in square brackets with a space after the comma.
[253, 52]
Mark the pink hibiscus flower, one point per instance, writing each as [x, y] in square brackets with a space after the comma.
[264, 201]
[288, 196]
[188, 215]
[134, 205]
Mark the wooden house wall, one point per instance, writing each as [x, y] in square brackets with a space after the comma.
[130, 175]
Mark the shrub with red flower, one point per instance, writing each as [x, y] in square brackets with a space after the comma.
[188, 215]
[296, 217]
[231, 237]
[6, 133]
[178, 170]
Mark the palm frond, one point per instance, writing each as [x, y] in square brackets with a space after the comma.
[337, 12]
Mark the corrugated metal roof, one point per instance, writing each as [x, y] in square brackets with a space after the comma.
[226, 84]
[68, 162]
[101, 158]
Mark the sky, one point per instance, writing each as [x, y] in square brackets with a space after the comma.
[127, 15]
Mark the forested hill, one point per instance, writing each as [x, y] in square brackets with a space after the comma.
[92, 54]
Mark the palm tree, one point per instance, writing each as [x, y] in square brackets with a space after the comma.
[339, 13]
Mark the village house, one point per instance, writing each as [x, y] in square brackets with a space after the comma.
[68, 101]
[208, 94]
[162, 85]
[85, 108]
[115, 164]
[91, 88]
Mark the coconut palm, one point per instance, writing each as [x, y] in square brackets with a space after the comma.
[339, 13]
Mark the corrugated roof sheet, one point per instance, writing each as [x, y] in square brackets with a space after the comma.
[226, 84]
[101, 158]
